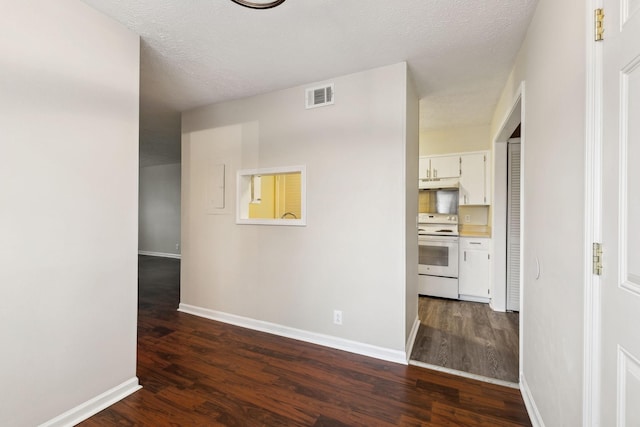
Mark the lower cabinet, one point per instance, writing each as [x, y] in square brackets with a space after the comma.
[474, 269]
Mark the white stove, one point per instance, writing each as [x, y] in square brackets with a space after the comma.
[430, 224]
[438, 255]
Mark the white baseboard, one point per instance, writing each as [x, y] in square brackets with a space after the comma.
[464, 374]
[471, 298]
[298, 334]
[91, 407]
[160, 254]
[412, 337]
[532, 409]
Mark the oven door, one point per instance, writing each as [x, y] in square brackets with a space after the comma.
[438, 256]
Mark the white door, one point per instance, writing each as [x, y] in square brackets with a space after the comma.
[620, 281]
[513, 225]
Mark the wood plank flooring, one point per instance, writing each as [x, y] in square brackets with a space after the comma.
[198, 372]
[467, 336]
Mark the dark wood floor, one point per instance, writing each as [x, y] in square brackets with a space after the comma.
[467, 336]
[197, 372]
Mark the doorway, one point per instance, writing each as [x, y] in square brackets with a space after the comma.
[468, 339]
[479, 340]
[508, 215]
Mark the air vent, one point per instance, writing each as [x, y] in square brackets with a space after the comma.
[319, 96]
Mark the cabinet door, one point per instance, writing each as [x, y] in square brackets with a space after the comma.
[473, 179]
[474, 273]
[424, 168]
[445, 167]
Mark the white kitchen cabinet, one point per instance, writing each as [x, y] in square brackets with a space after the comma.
[475, 179]
[474, 269]
[439, 167]
[445, 167]
[424, 168]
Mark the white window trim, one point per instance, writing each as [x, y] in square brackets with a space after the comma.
[243, 195]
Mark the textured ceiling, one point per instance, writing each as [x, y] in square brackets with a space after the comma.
[198, 52]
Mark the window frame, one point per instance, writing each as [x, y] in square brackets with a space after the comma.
[243, 195]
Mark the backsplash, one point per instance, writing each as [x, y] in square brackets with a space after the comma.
[423, 202]
[476, 215]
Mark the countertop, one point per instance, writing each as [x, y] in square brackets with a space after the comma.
[475, 231]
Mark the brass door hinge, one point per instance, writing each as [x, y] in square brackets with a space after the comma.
[599, 24]
[597, 259]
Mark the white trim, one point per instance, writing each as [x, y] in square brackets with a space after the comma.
[412, 337]
[625, 280]
[532, 409]
[510, 121]
[91, 407]
[472, 298]
[627, 364]
[243, 195]
[523, 210]
[592, 223]
[508, 125]
[464, 374]
[363, 349]
[498, 295]
[160, 254]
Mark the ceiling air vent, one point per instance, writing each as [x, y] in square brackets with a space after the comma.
[319, 96]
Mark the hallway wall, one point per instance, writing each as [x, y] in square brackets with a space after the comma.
[552, 64]
[359, 156]
[68, 209]
[159, 219]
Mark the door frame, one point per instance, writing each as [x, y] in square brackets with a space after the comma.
[515, 116]
[592, 221]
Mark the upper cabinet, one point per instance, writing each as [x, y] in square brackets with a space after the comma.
[439, 167]
[475, 179]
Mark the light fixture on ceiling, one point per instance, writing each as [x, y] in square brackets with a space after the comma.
[258, 4]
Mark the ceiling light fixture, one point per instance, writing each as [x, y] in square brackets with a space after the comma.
[258, 4]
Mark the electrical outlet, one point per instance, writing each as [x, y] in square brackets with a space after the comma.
[337, 317]
[177, 246]
[467, 218]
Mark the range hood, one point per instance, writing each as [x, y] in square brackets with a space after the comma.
[438, 184]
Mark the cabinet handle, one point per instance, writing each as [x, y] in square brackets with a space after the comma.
[475, 243]
[428, 173]
[435, 173]
[465, 256]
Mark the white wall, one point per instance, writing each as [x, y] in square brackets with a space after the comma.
[411, 200]
[352, 255]
[552, 64]
[68, 216]
[159, 220]
[455, 140]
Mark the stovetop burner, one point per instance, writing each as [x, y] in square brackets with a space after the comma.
[434, 224]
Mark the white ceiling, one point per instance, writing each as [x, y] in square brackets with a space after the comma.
[198, 52]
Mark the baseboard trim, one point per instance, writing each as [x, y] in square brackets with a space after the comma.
[363, 349]
[412, 337]
[472, 298]
[160, 254]
[532, 409]
[91, 407]
[464, 374]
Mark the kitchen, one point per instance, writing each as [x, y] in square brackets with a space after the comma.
[453, 187]
[463, 326]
